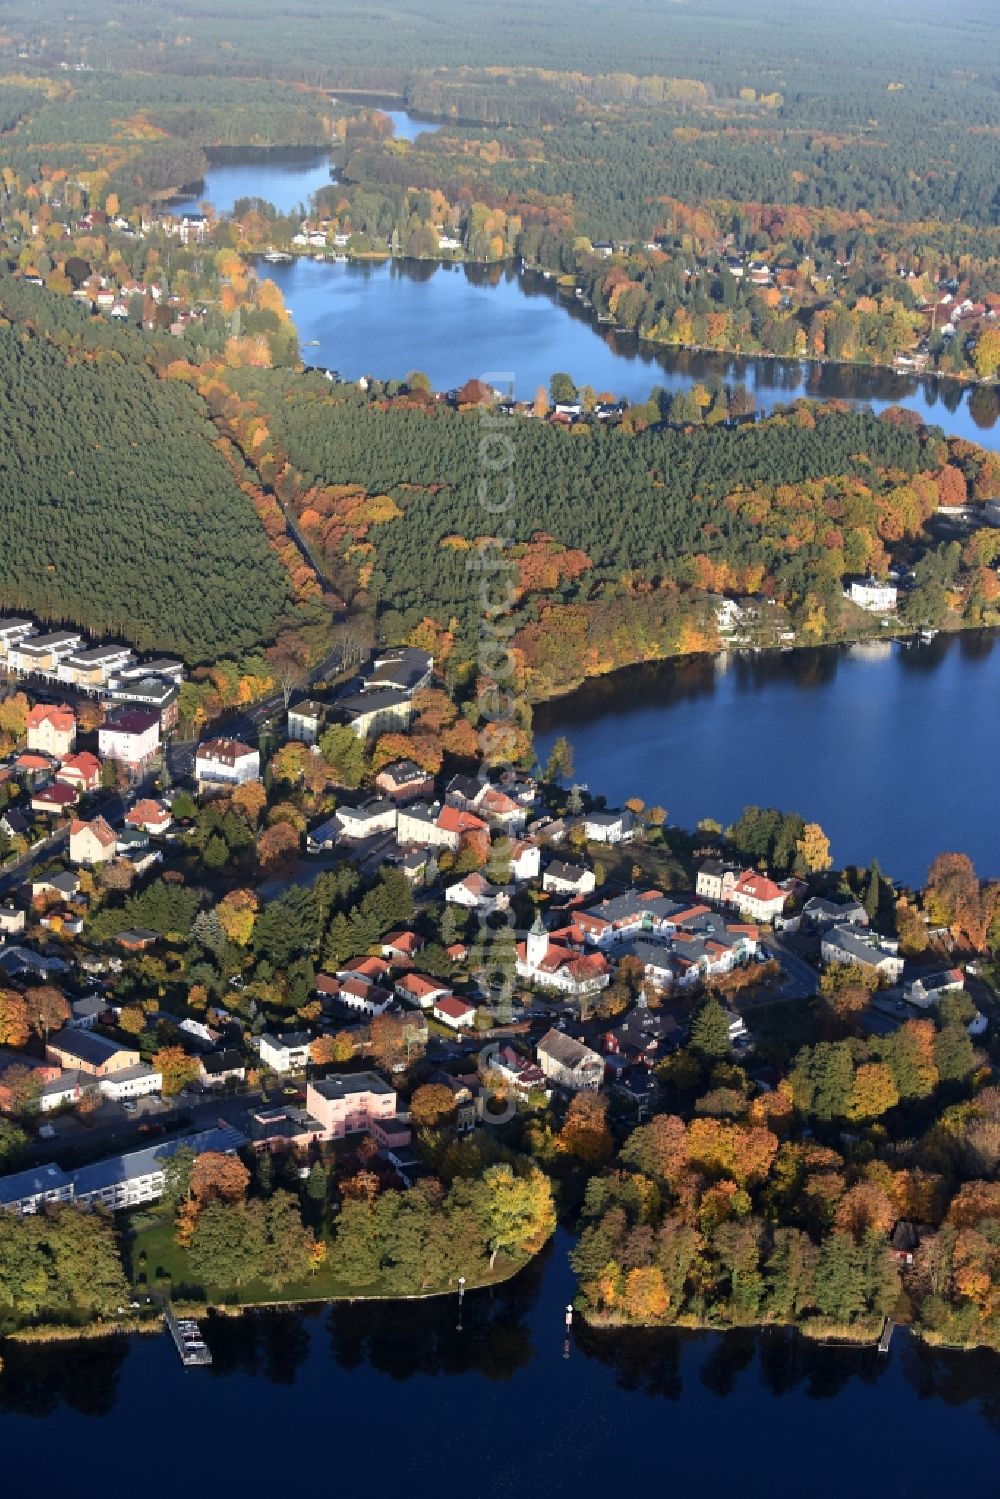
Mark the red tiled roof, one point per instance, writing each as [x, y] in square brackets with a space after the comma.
[456, 1008]
[61, 717]
[453, 820]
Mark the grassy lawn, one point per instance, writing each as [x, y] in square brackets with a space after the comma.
[661, 867]
[152, 1233]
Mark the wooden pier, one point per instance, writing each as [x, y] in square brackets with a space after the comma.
[886, 1338]
[186, 1333]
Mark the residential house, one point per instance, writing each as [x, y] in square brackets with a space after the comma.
[91, 842]
[285, 1053]
[516, 1072]
[401, 945]
[220, 763]
[417, 989]
[873, 595]
[568, 879]
[149, 816]
[569, 1063]
[12, 921]
[820, 913]
[436, 826]
[525, 860]
[216, 1069]
[644, 1035]
[928, 988]
[376, 712]
[372, 817]
[305, 721]
[350, 1103]
[457, 1013]
[131, 736]
[716, 880]
[85, 1013]
[476, 893]
[356, 992]
[82, 772]
[609, 827]
[88, 1052]
[404, 781]
[140, 1081]
[756, 896]
[52, 729]
[851, 946]
[14, 823]
[54, 800]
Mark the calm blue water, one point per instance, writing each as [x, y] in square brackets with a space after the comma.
[892, 748]
[398, 1399]
[288, 179]
[453, 322]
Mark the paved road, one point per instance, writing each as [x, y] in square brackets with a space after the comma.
[801, 980]
[112, 807]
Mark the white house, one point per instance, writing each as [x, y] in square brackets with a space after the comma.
[561, 878]
[285, 1053]
[131, 1082]
[609, 827]
[131, 737]
[362, 822]
[756, 896]
[872, 594]
[454, 1012]
[225, 762]
[854, 947]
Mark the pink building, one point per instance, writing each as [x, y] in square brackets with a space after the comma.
[347, 1103]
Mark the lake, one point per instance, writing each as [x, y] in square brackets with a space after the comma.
[386, 318]
[286, 177]
[397, 1397]
[891, 747]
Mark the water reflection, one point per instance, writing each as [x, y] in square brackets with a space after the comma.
[85, 1376]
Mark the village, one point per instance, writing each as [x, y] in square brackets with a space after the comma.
[509, 944]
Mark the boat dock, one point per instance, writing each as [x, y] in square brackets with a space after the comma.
[886, 1338]
[186, 1333]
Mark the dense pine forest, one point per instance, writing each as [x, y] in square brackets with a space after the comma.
[117, 513]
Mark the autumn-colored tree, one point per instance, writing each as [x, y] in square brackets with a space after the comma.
[326, 1049]
[216, 1174]
[237, 912]
[176, 1068]
[847, 990]
[277, 847]
[954, 899]
[250, 799]
[432, 1105]
[973, 1202]
[48, 1008]
[813, 848]
[14, 1024]
[132, 1020]
[911, 929]
[743, 1152]
[646, 1295]
[21, 1087]
[874, 1092]
[862, 1208]
[659, 1148]
[585, 1133]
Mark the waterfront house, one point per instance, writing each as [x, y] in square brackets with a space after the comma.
[756, 896]
[854, 947]
[716, 880]
[873, 595]
[609, 827]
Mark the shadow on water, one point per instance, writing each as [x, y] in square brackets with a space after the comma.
[39, 1378]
